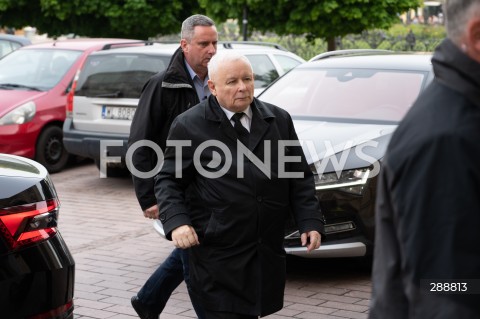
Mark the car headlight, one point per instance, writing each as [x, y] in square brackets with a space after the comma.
[351, 181]
[19, 115]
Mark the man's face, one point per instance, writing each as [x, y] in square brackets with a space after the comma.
[233, 85]
[201, 48]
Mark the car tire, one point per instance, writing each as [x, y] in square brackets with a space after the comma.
[50, 151]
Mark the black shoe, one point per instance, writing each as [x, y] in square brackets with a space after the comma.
[142, 311]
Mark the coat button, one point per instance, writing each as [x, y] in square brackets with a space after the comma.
[163, 217]
[259, 199]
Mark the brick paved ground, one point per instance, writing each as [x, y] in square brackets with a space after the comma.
[116, 249]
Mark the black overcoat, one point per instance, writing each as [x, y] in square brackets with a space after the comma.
[239, 265]
[164, 96]
[428, 205]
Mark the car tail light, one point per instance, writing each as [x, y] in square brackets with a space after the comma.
[55, 313]
[26, 224]
[71, 93]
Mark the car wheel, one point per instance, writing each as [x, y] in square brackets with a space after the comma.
[50, 151]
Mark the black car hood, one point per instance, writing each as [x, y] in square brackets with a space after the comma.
[336, 145]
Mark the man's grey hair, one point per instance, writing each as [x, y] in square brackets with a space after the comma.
[191, 22]
[457, 14]
[218, 60]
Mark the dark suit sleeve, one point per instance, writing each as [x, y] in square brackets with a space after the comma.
[305, 206]
[172, 181]
[145, 126]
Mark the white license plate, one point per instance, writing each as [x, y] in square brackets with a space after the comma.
[117, 112]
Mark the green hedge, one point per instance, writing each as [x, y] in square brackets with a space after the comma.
[427, 38]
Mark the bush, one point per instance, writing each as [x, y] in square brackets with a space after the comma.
[427, 37]
[385, 45]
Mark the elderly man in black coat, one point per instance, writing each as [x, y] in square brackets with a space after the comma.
[427, 252]
[247, 173]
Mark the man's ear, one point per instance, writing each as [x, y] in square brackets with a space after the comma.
[473, 38]
[211, 87]
[183, 44]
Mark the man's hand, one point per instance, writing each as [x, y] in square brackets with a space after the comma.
[184, 237]
[315, 240]
[151, 212]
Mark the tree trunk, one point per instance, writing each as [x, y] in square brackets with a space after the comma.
[331, 46]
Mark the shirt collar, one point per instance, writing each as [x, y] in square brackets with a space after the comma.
[229, 114]
[193, 74]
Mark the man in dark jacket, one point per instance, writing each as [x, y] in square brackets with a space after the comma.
[167, 94]
[230, 211]
[427, 252]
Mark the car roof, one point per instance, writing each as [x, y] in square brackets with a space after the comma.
[147, 48]
[394, 61]
[78, 44]
[15, 38]
[252, 47]
[169, 48]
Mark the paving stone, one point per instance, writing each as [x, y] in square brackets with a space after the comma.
[116, 249]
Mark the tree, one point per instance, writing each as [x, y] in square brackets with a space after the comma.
[98, 18]
[324, 19]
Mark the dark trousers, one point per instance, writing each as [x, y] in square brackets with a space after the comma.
[226, 315]
[157, 289]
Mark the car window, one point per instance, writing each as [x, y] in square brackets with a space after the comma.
[347, 93]
[7, 47]
[121, 75]
[263, 68]
[287, 63]
[40, 69]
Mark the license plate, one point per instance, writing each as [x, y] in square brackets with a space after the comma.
[118, 112]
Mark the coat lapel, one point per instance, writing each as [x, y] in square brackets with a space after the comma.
[259, 125]
[215, 113]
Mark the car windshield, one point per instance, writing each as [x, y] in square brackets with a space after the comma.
[347, 93]
[39, 69]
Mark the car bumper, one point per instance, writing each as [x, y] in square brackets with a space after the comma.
[88, 144]
[326, 250]
[354, 249]
[37, 279]
[18, 139]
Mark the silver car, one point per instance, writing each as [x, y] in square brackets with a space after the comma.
[109, 85]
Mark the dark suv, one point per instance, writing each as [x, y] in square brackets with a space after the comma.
[36, 267]
[345, 106]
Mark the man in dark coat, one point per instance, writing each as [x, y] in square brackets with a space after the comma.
[167, 94]
[233, 212]
[427, 252]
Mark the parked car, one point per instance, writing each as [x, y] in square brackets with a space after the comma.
[34, 83]
[345, 107]
[9, 43]
[109, 85]
[37, 269]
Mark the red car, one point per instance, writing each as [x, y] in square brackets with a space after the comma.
[34, 85]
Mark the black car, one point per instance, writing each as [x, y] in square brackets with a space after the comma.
[345, 107]
[36, 267]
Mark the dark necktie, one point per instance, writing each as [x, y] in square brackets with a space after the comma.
[242, 132]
